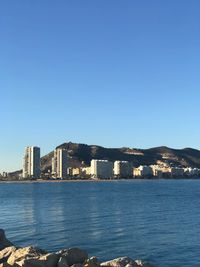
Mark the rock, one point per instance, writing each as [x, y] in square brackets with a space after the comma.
[74, 255]
[5, 253]
[62, 262]
[120, 262]
[91, 262]
[77, 265]
[4, 242]
[5, 264]
[125, 262]
[32, 257]
[25, 253]
[144, 264]
[48, 260]
[132, 264]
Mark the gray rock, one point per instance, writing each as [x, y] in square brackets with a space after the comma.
[77, 265]
[120, 262]
[132, 264]
[125, 262]
[4, 242]
[74, 255]
[143, 264]
[62, 262]
[4, 264]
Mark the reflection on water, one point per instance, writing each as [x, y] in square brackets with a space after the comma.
[153, 220]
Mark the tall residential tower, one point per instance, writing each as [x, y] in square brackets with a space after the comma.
[31, 162]
[59, 163]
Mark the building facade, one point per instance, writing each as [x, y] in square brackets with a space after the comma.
[31, 162]
[123, 169]
[143, 171]
[59, 163]
[102, 169]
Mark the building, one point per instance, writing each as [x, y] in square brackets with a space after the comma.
[177, 172]
[86, 171]
[31, 162]
[59, 163]
[5, 174]
[76, 172]
[143, 171]
[157, 171]
[122, 169]
[102, 169]
[191, 172]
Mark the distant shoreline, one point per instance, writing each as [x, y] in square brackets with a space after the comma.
[93, 180]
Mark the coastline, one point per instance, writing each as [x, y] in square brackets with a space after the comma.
[93, 180]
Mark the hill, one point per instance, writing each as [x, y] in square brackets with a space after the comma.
[82, 154]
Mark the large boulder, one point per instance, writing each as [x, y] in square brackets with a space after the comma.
[25, 253]
[4, 242]
[125, 262]
[48, 260]
[5, 253]
[143, 263]
[62, 262]
[32, 257]
[5, 264]
[77, 265]
[119, 262]
[73, 255]
[91, 262]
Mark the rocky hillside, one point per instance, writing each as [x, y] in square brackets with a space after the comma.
[81, 155]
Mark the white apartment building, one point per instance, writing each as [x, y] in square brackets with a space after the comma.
[102, 169]
[122, 169]
[31, 162]
[59, 163]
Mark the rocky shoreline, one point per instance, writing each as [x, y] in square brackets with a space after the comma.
[10, 255]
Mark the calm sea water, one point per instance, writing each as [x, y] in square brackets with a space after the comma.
[158, 221]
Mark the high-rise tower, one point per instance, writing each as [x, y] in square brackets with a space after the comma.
[31, 162]
[59, 163]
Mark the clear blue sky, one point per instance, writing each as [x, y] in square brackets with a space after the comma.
[108, 72]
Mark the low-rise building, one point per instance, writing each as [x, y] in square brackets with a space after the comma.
[5, 175]
[177, 172]
[86, 171]
[76, 171]
[157, 171]
[143, 171]
[192, 172]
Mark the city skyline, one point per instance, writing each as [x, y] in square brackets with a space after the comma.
[56, 165]
[31, 160]
[113, 74]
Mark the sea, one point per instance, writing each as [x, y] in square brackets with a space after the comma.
[154, 220]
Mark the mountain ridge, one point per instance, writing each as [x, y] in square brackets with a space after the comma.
[82, 154]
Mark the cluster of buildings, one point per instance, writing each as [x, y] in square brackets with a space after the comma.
[32, 163]
[98, 169]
